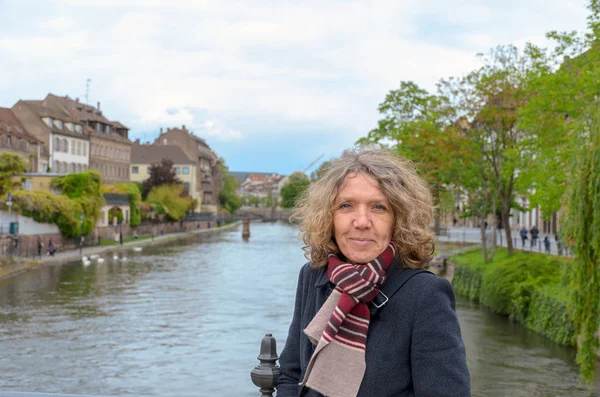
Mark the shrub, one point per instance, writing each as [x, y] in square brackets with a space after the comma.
[133, 192]
[522, 286]
[170, 200]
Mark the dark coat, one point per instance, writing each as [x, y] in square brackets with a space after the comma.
[414, 345]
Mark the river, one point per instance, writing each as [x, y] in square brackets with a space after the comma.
[186, 319]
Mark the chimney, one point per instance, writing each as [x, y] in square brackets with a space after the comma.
[98, 105]
[161, 130]
[137, 141]
[77, 100]
[183, 127]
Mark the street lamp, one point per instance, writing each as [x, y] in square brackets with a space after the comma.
[81, 218]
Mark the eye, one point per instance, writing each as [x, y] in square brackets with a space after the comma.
[345, 206]
[380, 207]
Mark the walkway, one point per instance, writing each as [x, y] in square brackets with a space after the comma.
[473, 235]
[73, 255]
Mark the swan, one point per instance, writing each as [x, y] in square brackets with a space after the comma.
[100, 260]
[137, 249]
[93, 256]
[86, 262]
[116, 257]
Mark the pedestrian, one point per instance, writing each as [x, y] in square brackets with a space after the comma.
[40, 246]
[547, 245]
[534, 235]
[559, 245]
[51, 247]
[523, 234]
[365, 226]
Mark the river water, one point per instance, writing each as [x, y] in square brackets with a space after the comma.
[187, 319]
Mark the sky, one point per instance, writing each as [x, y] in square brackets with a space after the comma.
[270, 85]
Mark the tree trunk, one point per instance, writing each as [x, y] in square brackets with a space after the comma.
[506, 225]
[436, 210]
[483, 239]
[494, 227]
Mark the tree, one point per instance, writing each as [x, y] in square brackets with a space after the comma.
[293, 189]
[161, 173]
[323, 168]
[414, 124]
[228, 197]
[171, 200]
[11, 164]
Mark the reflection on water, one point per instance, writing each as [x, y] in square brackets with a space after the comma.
[186, 320]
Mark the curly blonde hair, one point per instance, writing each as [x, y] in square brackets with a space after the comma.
[407, 193]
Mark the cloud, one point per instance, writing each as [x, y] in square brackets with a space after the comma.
[234, 70]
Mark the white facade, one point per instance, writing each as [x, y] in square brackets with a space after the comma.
[68, 154]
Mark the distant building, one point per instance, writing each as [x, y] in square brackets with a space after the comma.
[15, 139]
[65, 144]
[143, 156]
[266, 187]
[209, 178]
[109, 141]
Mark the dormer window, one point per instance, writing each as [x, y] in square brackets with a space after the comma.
[70, 126]
[47, 121]
[107, 129]
[58, 124]
[78, 128]
[98, 126]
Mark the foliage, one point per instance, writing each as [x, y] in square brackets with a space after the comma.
[228, 197]
[132, 190]
[46, 207]
[11, 164]
[171, 200]
[161, 173]
[115, 212]
[84, 188]
[293, 189]
[581, 230]
[318, 174]
[522, 286]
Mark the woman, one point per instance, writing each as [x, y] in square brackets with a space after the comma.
[367, 218]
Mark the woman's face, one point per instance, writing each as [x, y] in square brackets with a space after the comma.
[362, 219]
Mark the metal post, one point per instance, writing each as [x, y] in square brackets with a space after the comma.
[81, 218]
[265, 374]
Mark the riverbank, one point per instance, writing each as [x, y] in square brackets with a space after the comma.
[11, 266]
[526, 287]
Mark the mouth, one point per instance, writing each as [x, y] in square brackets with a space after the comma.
[361, 241]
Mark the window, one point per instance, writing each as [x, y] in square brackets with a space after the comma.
[84, 149]
[47, 121]
[177, 170]
[98, 127]
[65, 146]
[56, 144]
[107, 129]
[69, 126]
[78, 128]
[56, 166]
[78, 148]
[135, 170]
[58, 124]
[186, 171]
[73, 147]
[148, 170]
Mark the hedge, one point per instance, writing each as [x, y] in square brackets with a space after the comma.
[527, 287]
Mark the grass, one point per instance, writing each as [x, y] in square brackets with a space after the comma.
[105, 243]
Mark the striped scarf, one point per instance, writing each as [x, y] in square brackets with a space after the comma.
[339, 330]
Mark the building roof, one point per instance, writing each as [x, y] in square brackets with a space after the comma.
[43, 111]
[78, 110]
[242, 175]
[11, 125]
[150, 154]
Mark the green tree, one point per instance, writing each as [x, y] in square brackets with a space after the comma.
[298, 182]
[161, 173]
[171, 200]
[228, 197]
[319, 172]
[11, 164]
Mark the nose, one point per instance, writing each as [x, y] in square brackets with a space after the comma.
[361, 219]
